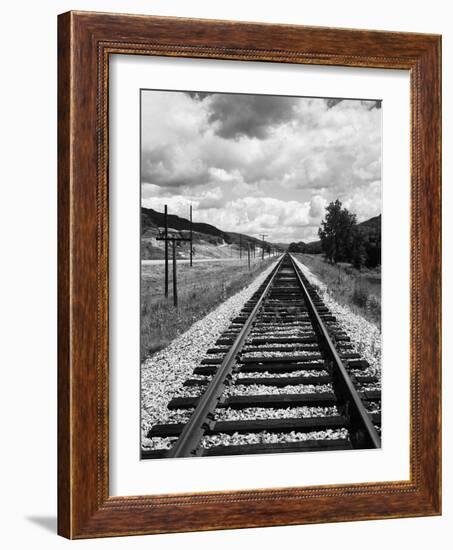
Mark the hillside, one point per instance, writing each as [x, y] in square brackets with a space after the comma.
[208, 240]
[151, 219]
[371, 228]
[306, 248]
[372, 222]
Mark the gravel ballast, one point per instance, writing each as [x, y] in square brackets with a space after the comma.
[209, 441]
[291, 374]
[282, 354]
[179, 416]
[261, 389]
[160, 443]
[265, 413]
[282, 330]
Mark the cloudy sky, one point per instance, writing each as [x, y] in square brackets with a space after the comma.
[260, 164]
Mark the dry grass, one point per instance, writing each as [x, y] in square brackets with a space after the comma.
[359, 290]
[201, 288]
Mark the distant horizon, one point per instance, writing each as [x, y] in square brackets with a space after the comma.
[246, 234]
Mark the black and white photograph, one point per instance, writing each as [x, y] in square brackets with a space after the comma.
[260, 278]
[225, 286]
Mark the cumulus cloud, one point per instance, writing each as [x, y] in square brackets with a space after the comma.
[254, 116]
[260, 163]
[317, 207]
[200, 96]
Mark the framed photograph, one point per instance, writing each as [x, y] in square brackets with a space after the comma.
[249, 275]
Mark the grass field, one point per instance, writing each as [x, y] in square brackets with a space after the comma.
[359, 290]
[201, 288]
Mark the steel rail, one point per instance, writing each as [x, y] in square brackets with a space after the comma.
[188, 441]
[363, 434]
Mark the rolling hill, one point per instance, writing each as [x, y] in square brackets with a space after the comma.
[208, 240]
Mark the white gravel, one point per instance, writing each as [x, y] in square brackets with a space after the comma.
[164, 373]
[370, 387]
[209, 441]
[215, 356]
[277, 354]
[282, 331]
[297, 328]
[158, 443]
[362, 372]
[266, 374]
[365, 337]
[190, 391]
[263, 389]
[283, 347]
[264, 413]
[179, 416]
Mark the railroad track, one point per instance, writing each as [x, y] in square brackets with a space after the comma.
[283, 378]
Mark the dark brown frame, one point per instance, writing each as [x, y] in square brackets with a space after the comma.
[85, 41]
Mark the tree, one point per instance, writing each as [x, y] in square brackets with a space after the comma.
[373, 250]
[337, 232]
[358, 252]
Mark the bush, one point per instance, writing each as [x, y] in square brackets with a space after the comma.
[374, 306]
[360, 295]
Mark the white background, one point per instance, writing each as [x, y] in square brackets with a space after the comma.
[28, 252]
[130, 476]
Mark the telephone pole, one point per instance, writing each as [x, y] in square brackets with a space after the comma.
[166, 251]
[191, 237]
[175, 285]
[174, 239]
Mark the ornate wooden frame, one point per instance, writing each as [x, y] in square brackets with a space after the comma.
[85, 41]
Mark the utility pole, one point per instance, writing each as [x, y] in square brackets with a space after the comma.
[262, 251]
[240, 246]
[175, 238]
[175, 286]
[248, 255]
[166, 251]
[191, 237]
